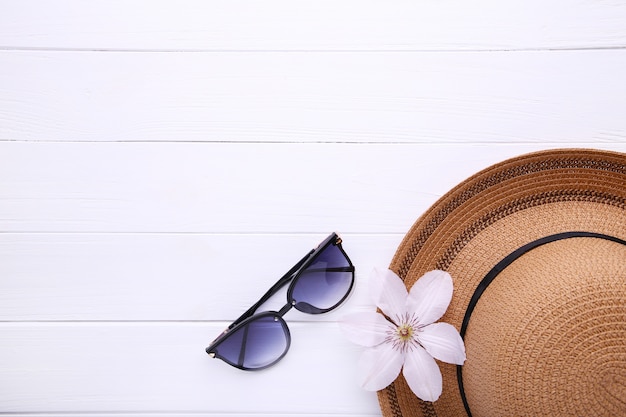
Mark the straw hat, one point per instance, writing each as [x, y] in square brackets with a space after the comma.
[536, 246]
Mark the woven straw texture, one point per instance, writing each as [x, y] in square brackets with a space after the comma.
[548, 335]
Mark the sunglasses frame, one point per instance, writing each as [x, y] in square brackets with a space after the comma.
[291, 277]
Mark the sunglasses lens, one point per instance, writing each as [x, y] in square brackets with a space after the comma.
[325, 283]
[259, 343]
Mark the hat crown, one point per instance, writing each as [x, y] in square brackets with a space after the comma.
[549, 333]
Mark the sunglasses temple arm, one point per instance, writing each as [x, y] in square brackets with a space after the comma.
[284, 280]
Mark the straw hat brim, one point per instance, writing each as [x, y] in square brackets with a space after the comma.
[536, 246]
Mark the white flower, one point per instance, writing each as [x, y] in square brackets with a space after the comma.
[406, 337]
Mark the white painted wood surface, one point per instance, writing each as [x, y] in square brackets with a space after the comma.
[162, 163]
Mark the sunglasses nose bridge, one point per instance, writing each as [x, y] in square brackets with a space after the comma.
[286, 308]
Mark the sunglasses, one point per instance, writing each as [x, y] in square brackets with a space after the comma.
[319, 283]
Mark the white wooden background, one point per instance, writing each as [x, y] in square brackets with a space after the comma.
[162, 163]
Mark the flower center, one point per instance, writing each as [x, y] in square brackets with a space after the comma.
[405, 332]
[404, 336]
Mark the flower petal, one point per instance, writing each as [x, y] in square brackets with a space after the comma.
[430, 296]
[379, 366]
[443, 342]
[422, 374]
[389, 293]
[366, 328]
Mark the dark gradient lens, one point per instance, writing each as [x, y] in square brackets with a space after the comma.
[257, 344]
[325, 283]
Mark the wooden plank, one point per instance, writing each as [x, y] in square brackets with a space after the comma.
[373, 413]
[311, 25]
[565, 97]
[136, 367]
[167, 277]
[233, 188]
[181, 414]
